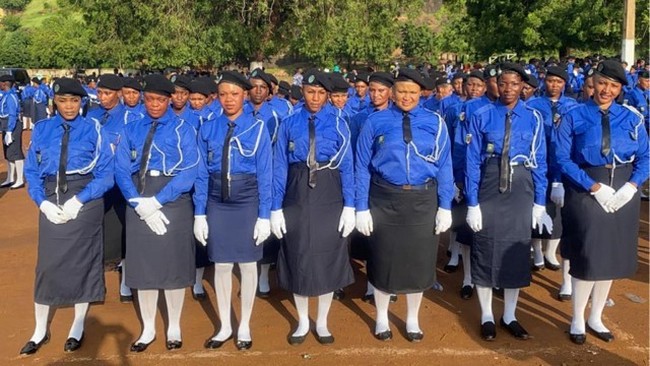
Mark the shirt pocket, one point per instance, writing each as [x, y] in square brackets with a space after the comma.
[625, 140]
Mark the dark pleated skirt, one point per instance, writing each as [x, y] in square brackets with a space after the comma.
[313, 259]
[600, 245]
[69, 267]
[40, 112]
[114, 225]
[403, 248]
[14, 151]
[161, 261]
[231, 223]
[501, 250]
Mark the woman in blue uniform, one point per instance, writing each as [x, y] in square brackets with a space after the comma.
[69, 168]
[232, 201]
[313, 180]
[404, 190]
[156, 165]
[505, 177]
[602, 151]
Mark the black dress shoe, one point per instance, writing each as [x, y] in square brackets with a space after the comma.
[384, 336]
[537, 267]
[22, 185]
[564, 297]
[325, 339]
[414, 336]
[603, 336]
[6, 184]
[515, 329]
[263, 294]
[72, 344]
[578, 338]
[214, 344]
[338, 294]
[368, 298]
[125, 299]
[551, 266]
[200, 296]
[449, 268]
[244, 345]
[31, 347]
[296, 340]
[393, 298]
[140, 346]
[488, 331]
[466, 292]
[174, 345]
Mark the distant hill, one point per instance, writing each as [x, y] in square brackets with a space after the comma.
[36, 12]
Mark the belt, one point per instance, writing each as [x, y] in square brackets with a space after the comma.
[235, 177]
[405, 187]
[70, 177]
[494, 159]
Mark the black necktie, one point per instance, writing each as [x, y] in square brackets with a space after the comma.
[311, 157]
[146, 152]
[605, 146]
[555, 117]
[505, 156]
[63, 159]
[406, 128]
[225, 163]
[104, 119]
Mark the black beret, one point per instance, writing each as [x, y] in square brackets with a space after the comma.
[260, 74]
[532, 81]
[513, 67]
[284, 87]
[384, 78]
[209, 81]
[478, 74]
[274, 80]
[613, 70]
[429, 82]
[69, 86]
[491, 71]
[410, 75]
[350, 77]
[339, 85]
[200, 86]
[363, 77]
[110, 81]
[36, 80]
[7, 77]
[131, 83]
[459, 75]
[234, 77]
[644, 74]
[589, 73]
[91, 79]
[541, 70]
[295, 92]
[181, 81]
[158, 84]
[442, 81]
[317, 78]
[557, 71]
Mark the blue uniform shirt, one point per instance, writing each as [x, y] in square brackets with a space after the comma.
[27, 93]
[190, 116]
[332, 145]
[174, 153]
[485, 139]
[250, 153]
[578, 142]
[113, 121]
[9, 109]
[268, 115]
[357, 103]
[640, 99]
[448, 102]
[138, 110]
[282, 106]
[381, 150]
[88, 153]
[215, 107]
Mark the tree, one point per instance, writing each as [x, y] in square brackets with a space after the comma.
[13, 6]
[14, 47]
[418, 42]
[62, 42]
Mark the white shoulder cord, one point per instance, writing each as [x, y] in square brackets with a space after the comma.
[531, 160]
[240, 147]
[169, 172]
[342, 150]
[98, 144]
[435, 156]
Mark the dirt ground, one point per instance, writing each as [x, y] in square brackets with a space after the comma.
[450, 324]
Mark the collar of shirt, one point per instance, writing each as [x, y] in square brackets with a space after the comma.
[614, 109]
[117, 110]
[320, 115]
[73, 124]
[518, 109]
[168, 116]
[412, 113]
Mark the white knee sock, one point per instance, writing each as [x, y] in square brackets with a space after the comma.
[248, 288]
[77, 328]
[467, 265]
[370, 289]
[485, 299]
[510, 296]
[579, 298]
[302, 306]
[223, 288]
[41, 312]
[124, 289]
[324, 303]
[148, 302]
[11, 171]
[174, 299]
[598, 300]
[566, 288]
[20, 164]
[538, 256]
[264, 284]
[551, 248]
[382, 300]
[198, 281]
[454, 248]
[413, 302]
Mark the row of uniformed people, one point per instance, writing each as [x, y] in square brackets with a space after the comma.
[11, 127]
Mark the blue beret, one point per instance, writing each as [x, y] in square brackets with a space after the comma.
[69, 86]
[491, 71]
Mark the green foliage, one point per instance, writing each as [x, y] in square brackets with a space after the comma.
[62, 42]
[11, 22]
[13, 5]
[15, 49]
[418, 41]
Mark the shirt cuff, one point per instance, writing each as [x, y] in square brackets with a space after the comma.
[83, 196]
[472, 200]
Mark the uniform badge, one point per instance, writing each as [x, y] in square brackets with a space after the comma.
[292, 146]
[468, 138]
[134, 154]
[600, 67]
[57, 87]
[218, 79]
[311, 79]
[254, 74]
[489, 148]
[380, 139]
[462, 118]
[641, 109]
[556, 118]
[626, 102]
[493, 72]
[173, 78]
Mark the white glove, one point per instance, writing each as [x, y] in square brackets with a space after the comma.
[71, 208]
[541, 219]
[557, 194]
[8, 138]
[621, 197]
[458, 195]
[262, 230]
[602, 195]
[364, 222]
[347, 221]
[157, 221]
[474, 218]
[201, 229]
[146, 206]
[278, 225]
[443, 220]
[53, 213]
